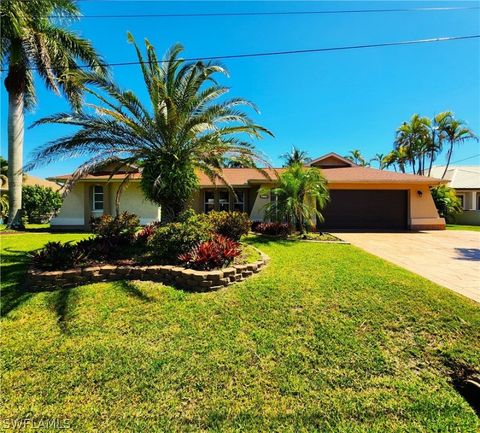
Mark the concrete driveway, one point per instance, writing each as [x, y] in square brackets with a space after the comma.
[450, 258]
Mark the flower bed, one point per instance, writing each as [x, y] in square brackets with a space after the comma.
[181, 277]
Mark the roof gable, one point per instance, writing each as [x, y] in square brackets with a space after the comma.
[332, 160]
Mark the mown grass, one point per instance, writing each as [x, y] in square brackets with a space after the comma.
[326, 339]
[463, 227]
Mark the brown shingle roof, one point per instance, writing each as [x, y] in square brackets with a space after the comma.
[248, 176]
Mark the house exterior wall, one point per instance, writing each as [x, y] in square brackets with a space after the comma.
[71, 215]
[471, 207]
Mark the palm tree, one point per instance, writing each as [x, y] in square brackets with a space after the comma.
[301, 194]
[357, 157]
[295, 156]
[456, 132]
[380, 158]
[30, 40]
[184, 128]
[3, 171]
[437, 136]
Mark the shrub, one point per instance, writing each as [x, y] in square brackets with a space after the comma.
[40, 203]
[146, 233]
[56, 256]
[233, 225]
[173, 239]
[272, 228]
[99, 248]
[122, 226]
[212, 254]
[446, 201]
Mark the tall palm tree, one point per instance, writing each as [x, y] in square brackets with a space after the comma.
[301, 194]
[183, 128]
[31, 40]
[295, 156]
[380, 158]
[437, 136]
[456, 132]
[357, 157]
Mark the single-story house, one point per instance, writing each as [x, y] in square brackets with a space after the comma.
[466, 182]
[361, 197]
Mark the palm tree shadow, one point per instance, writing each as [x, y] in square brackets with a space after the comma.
[132, 290]
[62, 305]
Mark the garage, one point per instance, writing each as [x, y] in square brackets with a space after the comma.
[366, 209]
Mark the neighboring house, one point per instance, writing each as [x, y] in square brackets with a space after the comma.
[465, 180]
[361, 197]
[32, 181]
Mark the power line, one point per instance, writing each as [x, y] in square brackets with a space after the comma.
[282, 53]
[239, 14]
[464, 159]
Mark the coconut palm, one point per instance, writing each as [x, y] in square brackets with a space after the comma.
[356, 157]
[182, 129]
[32, 41]
[456, 132]
[300, 196]
[380, 158]
[295, 156]
[437, 136]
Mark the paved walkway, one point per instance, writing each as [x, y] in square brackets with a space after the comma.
[450, 258]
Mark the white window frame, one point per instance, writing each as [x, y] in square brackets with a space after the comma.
[95, 201]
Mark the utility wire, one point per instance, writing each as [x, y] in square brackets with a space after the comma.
[464, 159]
[239, 14]
[283, 53]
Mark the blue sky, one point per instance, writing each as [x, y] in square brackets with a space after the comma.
[320, 102]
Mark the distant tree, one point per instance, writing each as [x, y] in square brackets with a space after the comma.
[295, 156]
[380, 158]
[3, 171]
[356, 157]
[300, 196]
[32, 41]
[239, 162]
[40, 203]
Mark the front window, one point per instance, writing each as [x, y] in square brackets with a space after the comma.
[97, 203]
[209, 201]
[461, 197]
[224, 200]
[239, 203]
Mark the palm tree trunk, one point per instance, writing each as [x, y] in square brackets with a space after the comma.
[432, 155]
[450, 151]
[15, 157]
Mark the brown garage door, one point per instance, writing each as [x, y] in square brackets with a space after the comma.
[366, 209]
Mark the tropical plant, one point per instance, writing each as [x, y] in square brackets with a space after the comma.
[185, 128]
[32, 40]
[295, 156]
[437, 137]
[272, 228]
[40, 203]
[456, 132]
[3, 205]
[356, 157]
[3, 172]
[123, 226]
[212, 254]
[446, 201]
[232, 225]
[380, 158]
[298, 199]
[55, 256]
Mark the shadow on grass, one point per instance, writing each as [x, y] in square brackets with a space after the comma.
[62, 304]
[132, 290]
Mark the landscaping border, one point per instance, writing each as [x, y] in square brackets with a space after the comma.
[184, 278]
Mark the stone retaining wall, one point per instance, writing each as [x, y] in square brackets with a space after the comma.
[183, 278]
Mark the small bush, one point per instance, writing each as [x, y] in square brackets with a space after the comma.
[100, 248]
[272, 229]
[171, 240]
[212, 254]
[144, 235]
[40, 203]
[122, 226]
[232, 225]
[56, 256]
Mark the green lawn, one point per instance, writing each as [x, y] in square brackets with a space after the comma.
[463, 227]
[326, 339]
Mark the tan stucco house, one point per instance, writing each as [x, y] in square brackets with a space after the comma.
[361, 197]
